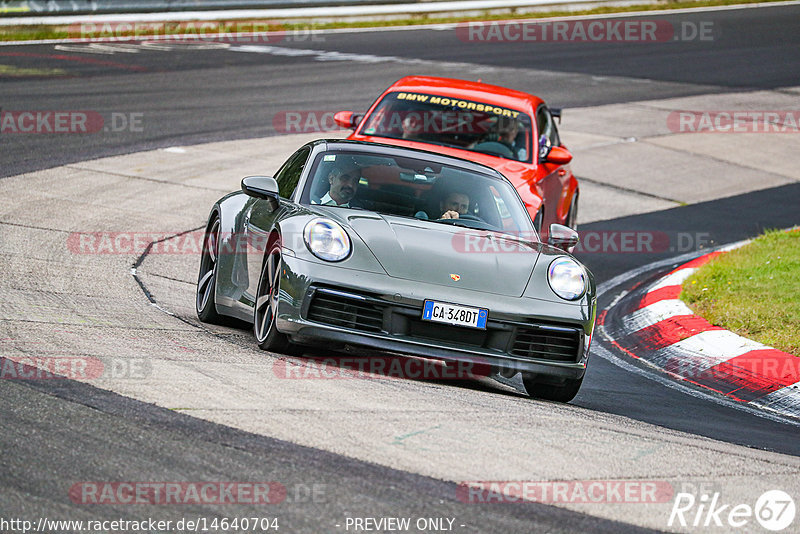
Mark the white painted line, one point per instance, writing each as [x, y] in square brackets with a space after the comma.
[296, 12]
[782, 405]
[366, 10]
[784, 400]
[226, 15]
[676, 262]
[327, 55]
[705, 350]
[734, 246]
[655, 313]
[656, 374]
[675, 279]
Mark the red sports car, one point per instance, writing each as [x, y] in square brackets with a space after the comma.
[508, 130]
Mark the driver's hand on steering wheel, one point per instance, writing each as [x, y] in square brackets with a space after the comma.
[449, 214]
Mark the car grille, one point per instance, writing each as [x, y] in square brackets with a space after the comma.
[547, 343]
[331, 308]
[365, 314]
[472, 337]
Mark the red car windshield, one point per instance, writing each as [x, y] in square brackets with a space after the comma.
[453, 122]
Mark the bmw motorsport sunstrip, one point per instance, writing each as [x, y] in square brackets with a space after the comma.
[400, 250]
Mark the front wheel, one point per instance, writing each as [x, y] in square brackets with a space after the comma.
[266, 308]
[207, 278]
[561, 392]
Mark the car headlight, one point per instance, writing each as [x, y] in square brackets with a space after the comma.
[567, 278]
[327, 240]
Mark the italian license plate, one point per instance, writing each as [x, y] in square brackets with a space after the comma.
[443, 312]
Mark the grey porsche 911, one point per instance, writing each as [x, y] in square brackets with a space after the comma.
[399, 250]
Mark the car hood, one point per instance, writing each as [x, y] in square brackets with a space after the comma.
[447, 255]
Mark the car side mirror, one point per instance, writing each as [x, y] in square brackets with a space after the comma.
[347, 119]
[558, 155]
[264, 187]
[563, 237]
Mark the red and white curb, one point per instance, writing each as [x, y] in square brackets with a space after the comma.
[654, 326]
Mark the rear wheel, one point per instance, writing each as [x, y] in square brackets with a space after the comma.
[266, 308]
[564, 391]
[207, 278]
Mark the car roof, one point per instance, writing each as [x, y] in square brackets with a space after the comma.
[484, 92]
[394, 150]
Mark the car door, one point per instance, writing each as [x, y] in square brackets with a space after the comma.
[260, 218]
[554, 177]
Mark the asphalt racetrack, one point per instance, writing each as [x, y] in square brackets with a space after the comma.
[183, 123]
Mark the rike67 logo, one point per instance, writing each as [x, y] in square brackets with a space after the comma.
[774, 510]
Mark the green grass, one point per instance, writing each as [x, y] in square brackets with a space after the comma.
[25, 33]
[753, 291]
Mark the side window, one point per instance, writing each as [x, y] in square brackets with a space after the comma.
[290, 173]
[548, 134]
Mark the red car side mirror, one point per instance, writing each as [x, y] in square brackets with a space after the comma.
[559, 155]
[346, 119]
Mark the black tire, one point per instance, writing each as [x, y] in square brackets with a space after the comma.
[266, 307]
[563, 392]
[207, 278]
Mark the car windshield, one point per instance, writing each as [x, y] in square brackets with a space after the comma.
[417, 188]
[465, 124]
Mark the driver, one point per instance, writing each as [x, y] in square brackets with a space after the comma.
[412, 126]
[343, 180]
[501, 139]
[454, 204]
[507, 130]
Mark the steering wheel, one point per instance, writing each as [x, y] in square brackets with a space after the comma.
[465, 216]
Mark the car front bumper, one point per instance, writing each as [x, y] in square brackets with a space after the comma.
[375, 310]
